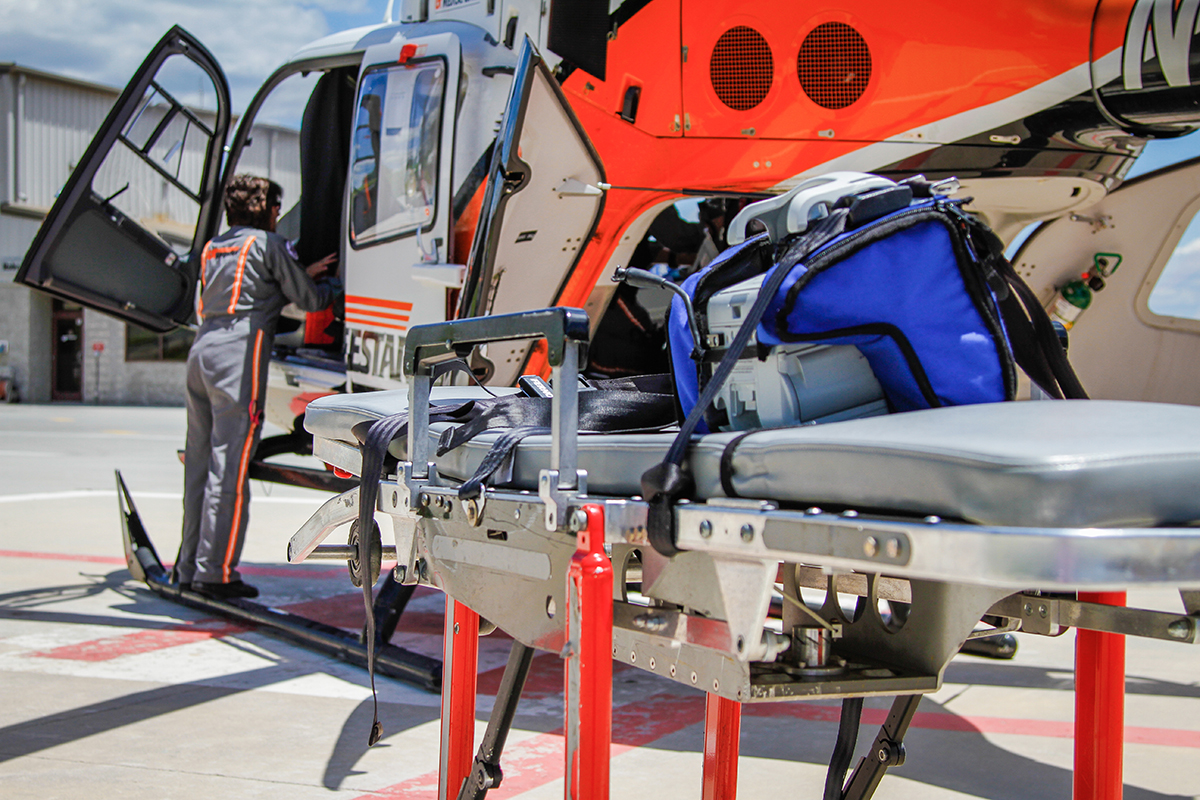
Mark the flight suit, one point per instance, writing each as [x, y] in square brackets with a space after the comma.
[247, 276]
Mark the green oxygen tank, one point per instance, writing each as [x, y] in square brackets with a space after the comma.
[1070, 301]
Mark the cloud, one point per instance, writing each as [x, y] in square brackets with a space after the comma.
[104, 42]
[1189, 247]
[1177, 291]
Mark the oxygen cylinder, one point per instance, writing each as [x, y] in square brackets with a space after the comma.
[1070, 301]
[1076, 294]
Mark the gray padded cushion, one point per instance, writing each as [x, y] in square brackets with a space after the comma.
[334, 416]
[1050, 463]
[1071, 463]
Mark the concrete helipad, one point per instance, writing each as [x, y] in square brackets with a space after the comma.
[106, 690]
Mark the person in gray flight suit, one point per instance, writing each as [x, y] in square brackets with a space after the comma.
[247, 275]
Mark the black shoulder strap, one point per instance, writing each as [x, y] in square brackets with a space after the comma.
[1035, 343]
[666, 482]
[373, 451]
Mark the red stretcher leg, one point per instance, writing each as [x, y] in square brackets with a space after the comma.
[461, 668]
[589, 663]
[1099, 708]
[722, 732]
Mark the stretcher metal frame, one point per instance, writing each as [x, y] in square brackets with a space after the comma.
[555, 569]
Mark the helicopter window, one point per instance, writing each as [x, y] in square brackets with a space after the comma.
[394, 173]
[156, 174]
[273, 147]
[1176, 293]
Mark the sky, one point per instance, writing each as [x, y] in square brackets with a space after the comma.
[104, 41]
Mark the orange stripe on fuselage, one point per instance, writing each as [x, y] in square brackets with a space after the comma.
[244, 464]
[382, 314]
[237, 278]
[374, 301]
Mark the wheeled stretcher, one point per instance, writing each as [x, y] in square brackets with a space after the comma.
[889, 539]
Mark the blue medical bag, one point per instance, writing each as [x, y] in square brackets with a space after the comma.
[907, 289]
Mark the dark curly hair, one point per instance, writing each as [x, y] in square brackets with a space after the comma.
[249, 199]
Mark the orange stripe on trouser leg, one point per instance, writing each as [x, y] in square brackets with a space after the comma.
[237, 278]
[244, 465]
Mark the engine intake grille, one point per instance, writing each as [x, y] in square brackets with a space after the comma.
[834, 65]
[741, 68]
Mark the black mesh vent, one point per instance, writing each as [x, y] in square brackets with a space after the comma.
[834, 65]
[741, 68]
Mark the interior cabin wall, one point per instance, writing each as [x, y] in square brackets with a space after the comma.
[1121, 350]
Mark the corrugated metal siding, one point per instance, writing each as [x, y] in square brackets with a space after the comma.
[275, 153]
[15, 235]
[57, 123]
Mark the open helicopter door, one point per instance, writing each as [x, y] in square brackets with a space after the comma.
[540, 208]
[1139, 336]
[125, 234]
[397, 260]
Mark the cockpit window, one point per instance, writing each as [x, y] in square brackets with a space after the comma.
[397, 128]
[1176, 293]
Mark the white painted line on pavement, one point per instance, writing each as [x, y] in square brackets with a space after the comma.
[159, 437]
[83, 493]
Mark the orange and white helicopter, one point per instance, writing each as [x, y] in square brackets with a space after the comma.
[456, 181]
[1038, 108]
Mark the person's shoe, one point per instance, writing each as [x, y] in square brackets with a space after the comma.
[225, 591]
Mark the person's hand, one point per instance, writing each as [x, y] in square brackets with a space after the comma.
[319, 268]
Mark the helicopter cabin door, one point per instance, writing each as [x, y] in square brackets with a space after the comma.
[542, 200]
[399, 271]
[125, 234]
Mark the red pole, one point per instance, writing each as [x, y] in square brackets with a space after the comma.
[460, 651]
[589, 663]
[1099, 707]
[722, 731]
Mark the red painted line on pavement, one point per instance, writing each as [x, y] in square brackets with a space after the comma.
[538, 760]
[932, 720]
[346, 611]
[545, 677]
[62, 557]
[322, 573]
[141, 642]
[272, 572]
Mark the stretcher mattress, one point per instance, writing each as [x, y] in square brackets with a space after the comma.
[1064, 463]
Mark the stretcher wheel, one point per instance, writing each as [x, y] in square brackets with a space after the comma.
[375, 558]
